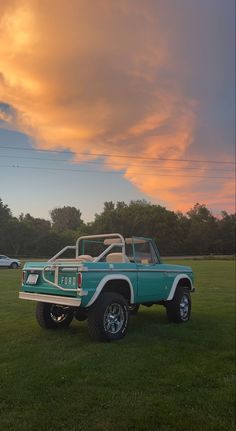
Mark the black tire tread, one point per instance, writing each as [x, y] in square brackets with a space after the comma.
[95, 316]
[43, 318]
[172, 307]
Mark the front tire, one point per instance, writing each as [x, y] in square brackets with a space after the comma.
[179, 308]
[52, 316]
[14, 265]
[108, 318]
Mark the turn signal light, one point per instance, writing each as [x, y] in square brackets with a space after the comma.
[79, 280]
[23, 277]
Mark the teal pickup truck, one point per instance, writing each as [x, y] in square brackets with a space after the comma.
[105, 281]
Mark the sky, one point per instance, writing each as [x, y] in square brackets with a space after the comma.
[103, 100]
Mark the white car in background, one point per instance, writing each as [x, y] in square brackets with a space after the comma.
[6, 261]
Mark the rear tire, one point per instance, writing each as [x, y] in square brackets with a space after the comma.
[179, 308]
[52, 316]
[108, 318]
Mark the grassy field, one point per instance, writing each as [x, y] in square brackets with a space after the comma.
[160, 377]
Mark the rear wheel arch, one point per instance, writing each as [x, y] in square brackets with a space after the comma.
[114, 283]
[118, 286]
[122, 287]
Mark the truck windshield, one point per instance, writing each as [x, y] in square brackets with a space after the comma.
[145, 253]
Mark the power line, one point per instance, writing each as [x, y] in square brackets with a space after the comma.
[110, 172]
[117, 155]
[115, 163]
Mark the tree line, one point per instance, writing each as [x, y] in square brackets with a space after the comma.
[197, 232]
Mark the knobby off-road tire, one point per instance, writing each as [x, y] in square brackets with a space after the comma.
[52, 316]
[179, 309]
[133, 309]
[108, 318]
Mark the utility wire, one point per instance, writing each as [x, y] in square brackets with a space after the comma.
[114, 163]
[117, 155]
[110, 172]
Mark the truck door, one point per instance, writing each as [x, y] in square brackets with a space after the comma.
[151, 276]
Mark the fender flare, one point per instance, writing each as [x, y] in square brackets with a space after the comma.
[107, 278]
[175, 284]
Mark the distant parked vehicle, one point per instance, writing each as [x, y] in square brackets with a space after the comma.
[8, 262]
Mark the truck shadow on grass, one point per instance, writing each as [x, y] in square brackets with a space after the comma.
[149, 326]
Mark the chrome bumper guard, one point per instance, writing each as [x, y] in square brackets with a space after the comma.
[52, 299]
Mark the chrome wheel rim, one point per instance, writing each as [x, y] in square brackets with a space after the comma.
[58, 314]
[184, 307]
[114, 318]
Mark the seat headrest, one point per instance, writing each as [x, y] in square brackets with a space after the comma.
[116, 257]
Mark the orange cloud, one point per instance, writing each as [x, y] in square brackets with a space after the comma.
[96, 77]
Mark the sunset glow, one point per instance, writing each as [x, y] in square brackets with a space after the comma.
[110, 77]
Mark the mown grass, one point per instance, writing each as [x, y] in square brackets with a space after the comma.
[160, 377]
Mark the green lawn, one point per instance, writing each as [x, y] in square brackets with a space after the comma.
[161, 376]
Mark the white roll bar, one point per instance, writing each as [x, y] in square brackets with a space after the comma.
[107, 235]
[68, 247]
[55, 266]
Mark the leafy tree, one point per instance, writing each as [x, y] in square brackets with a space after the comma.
[5, 218]
[226, 233]
[38, 230]
[140, 218]
[202, 230]
[38, 224]
[66, 218]
[5, 213]
[18, 237]
[196, 232]
[50, 244]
